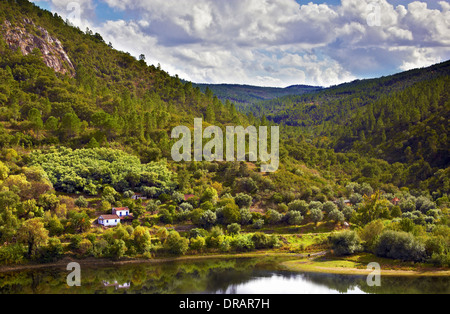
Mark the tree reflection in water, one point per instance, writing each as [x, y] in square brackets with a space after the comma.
[231, 276]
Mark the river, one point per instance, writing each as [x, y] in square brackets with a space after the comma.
[230, 276]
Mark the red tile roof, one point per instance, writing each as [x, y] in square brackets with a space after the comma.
[121, 208]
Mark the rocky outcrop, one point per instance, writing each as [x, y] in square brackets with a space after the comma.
[51, 48]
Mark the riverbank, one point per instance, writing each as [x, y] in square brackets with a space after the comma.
[108, 262]
[314, 263]
[357, 265]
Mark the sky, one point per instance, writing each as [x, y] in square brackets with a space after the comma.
[275, 43]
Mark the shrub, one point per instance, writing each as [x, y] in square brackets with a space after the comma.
[316, 215]
[314, 205]
[81, 202]
[345, 243]
[198, 243]
[298, 206]
[208, 219]
[400, 245]
[234, 228]
[258, 224]
[328, 207]
[293, 218]
[348, 212]
[273, 217]
[165, 216]
[246, 216]
[242, 243]
[243, 200]
[371, 232]
[12, 254]
[336, 216]
[176, 244]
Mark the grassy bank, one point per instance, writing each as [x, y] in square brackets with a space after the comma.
[357, 265]
[109, 262]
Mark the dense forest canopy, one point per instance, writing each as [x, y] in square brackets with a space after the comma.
[91, 129]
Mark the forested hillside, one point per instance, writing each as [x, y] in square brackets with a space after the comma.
[85, 128]
[111, 97]
[245, 95]
[402, 118]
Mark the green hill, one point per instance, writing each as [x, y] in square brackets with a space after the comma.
[244, 95]
[401, 118]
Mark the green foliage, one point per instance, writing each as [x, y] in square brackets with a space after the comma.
[299, 206]
[176, 244]
[73, 171]
[234, 228]
[400, 245]
[345, 243]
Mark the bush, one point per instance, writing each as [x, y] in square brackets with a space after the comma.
[345, 243]
[371, 232]
[258, 224]
[243, 200]
[313, 206]
[81, 202]
[273, 217]
[165, 216]
[234, 228]
[298, 206]
[336, 216]
[328, 207]
[293, 218]
[176, 244]
[316, 215]
[242, 243]
[197, 244]
[208, 219]
[400, 245]
[246, 216]
[263, 241]
[12, 254]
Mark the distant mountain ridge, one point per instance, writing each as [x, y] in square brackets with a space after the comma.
[248, 94]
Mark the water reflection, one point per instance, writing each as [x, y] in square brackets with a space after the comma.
[234, 276]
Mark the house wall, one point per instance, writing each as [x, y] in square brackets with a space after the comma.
[109, 222]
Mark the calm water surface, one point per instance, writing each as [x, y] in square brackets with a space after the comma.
[233, 276]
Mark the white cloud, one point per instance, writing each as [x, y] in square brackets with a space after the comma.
[277, 42]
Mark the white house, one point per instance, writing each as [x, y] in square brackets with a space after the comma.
[121, 212]
[109, 220]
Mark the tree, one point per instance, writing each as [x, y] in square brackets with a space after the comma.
[81, 202]
[33, 234]
[142, 239]
[35, 118]
[373, 208]
[210, 194]
[234, 228]
[70, 125]
[243, 200]
[176, 244]
[400, 245]
[293, 218]
[316, 215]
[370, 233]
[336, 216]
[208, 219]
[298, 206]
[9, 224]
[345, 243]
